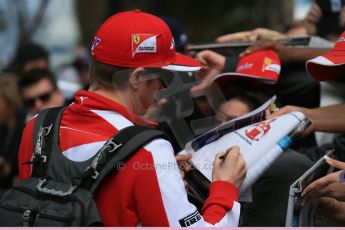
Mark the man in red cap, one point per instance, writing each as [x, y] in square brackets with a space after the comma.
[130, 52]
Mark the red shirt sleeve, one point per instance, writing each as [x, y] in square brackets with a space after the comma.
[25, 150]
[221, 199]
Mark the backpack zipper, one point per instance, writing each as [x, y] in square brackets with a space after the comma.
[40, 196]
[28, 212]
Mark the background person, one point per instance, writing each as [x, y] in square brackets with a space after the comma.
[11, 125]
[38, 90]
[29, 56]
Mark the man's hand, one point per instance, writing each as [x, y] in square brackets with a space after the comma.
[327, 186]
[232, 168]
[335, 163]
[213, 64]
[331, 209]
[314, 14]
[312, 18]
[331, 193]
[289, 108]
[251, 36]
[264, 44]
[243, 36]
[184, 166]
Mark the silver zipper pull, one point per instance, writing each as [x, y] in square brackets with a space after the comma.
[26, 218]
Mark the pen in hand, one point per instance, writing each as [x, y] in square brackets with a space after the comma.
[222, 157]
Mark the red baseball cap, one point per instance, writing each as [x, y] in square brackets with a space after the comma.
[263, 66]
[330, 65]
[137, 39]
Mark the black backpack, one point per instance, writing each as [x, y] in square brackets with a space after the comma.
[60, 191]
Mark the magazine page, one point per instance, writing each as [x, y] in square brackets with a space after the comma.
[260, 144]
[255, 116]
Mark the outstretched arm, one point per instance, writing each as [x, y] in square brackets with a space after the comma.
[325, 119]
[286, 54]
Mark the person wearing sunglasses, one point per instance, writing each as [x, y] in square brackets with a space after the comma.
[39, 90]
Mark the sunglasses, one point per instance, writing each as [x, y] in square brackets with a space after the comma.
[43, 98]
[157, 73]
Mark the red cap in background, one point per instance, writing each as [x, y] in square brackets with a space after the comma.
[263, 66]
[330, 65]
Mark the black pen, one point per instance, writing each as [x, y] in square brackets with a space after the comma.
[222, 157]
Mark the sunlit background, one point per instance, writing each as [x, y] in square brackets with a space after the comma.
[64, 26]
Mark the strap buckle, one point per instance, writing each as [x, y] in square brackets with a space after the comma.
[43, 158]
[109, 144]
[29, 218]
[112, 145]
[95, 174]
[91, 171]
[40, 144]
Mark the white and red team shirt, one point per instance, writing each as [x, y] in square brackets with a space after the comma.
[148, 190]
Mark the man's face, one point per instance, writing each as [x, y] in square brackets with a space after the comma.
[41, 95]
[145, 84]
[148, 92]
[231, 109]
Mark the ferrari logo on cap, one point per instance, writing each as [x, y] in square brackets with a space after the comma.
[136, 39]
[270, 65]
[144, 43]
[267, 61]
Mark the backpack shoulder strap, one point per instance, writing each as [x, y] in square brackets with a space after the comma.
[117, 150]
[42, 137]
[38, 124]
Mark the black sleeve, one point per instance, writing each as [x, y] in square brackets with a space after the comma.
[230, 64]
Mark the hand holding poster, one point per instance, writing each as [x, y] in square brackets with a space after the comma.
[260, 143]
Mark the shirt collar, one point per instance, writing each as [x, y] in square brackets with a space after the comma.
[92, 100]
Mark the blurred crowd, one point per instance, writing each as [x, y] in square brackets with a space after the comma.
[191, 105]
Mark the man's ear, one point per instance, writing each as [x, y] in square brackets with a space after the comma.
[134, 78]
